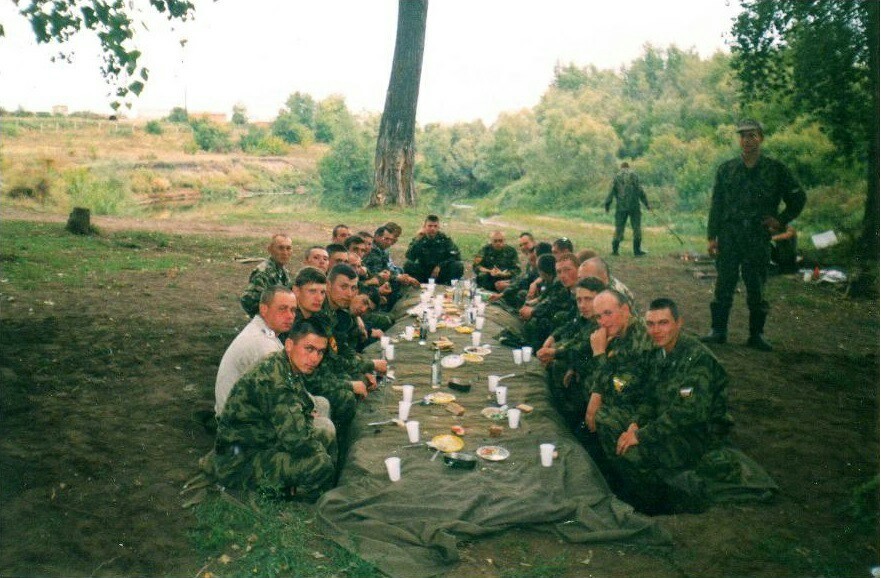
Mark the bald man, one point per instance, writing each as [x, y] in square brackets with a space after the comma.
[495, 262]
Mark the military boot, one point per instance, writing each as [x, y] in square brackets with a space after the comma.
[615, 244]
[637, 248]
[757, 339]
[719, 332]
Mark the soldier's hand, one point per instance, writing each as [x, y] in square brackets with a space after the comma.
[495, 296]
[713, 247]
[435, 272]
[384, 274]
[627, 440]
[359, 388]
[570, 376]
[599, 339]
[380, 365]
[546, 355]
[596, 400]
[772, 224]
[526, 313]
[370, 380]
[502, 285]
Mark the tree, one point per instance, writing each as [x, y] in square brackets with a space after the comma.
[239, 114]
[332, 119]
[114, 25]
[395, 150]
[823, 55]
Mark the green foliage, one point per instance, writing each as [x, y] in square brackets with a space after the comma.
[346, 172]
[288, 128]
[332, 119]
[210, 136]
[258, 141]
[153, 127]
[239, 115]
[450, 158]
[104, 196]
[178, 114]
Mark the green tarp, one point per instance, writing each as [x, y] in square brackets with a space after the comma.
[411, 527]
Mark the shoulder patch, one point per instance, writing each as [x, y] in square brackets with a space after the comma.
[686, 392]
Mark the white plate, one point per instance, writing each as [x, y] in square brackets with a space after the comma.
[493, 453]
[495, 413]
[477, 350]
[452, 361]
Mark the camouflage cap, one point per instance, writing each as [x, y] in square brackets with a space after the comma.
[749, 124]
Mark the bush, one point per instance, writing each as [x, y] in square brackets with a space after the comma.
[290, 130]
[153, 127]
[258, 141]
[103, 196]
[210, 136]
[178, 114]
[347, 172]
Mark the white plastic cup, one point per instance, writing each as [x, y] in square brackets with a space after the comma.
[385, 341]
[481, 308]
[518, 356]
[807, 277]
[493, 382]
[390, 352]
[408, 393]
[439, 301]
[431, 282]
[432, 324]
[513, 418]
[527, 354]
[413, 431]
[403, 410]
[501, 394]
[478, 323]
[409, 332]
[475, 338]
[476, 300]
[393, 465]
[547, 454]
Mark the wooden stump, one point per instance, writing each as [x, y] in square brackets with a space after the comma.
[78, 222]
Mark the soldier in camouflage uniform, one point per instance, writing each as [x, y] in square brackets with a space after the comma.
[267, 435]
[628, 193]
[744, 213]
[270, 272]
[555, 306]
[496, 262]
[513, 297]
[688, 418]
[567, 355]
[597, 267]
[432, 254]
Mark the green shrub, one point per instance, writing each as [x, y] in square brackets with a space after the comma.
[289, 129]
[210, 136]
[178, 114]
[153, 127]
[347, 172]
[104, 196]
[258, 141]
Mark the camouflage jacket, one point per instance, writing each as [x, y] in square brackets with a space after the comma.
[515, 294]
[505, 259]
[627, 192]
[690, 395]
[556, 303]
[342, 355]
[743, 197]
[431, 252]
[267, 274]
[325, 382]
[572, 344]
[622, 376]
[376, 261]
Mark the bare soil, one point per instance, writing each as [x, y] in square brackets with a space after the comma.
[100, 384]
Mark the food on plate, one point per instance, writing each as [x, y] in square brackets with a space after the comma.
[472, 358]
[443, 343]
[458, 430]
[440, 397]
[477, 349]
[493, 453]
[447, 443]
[464, 329]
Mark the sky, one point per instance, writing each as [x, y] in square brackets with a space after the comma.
[482, 57]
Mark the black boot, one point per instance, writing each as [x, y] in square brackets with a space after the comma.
[719, 332]
[637, 250]
[615, 244]
[756, 339]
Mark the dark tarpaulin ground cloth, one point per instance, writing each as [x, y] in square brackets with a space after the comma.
[411, 527]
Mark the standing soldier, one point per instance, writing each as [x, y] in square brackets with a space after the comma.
[269, 273]
[743, 216]
[628, 193]
[496, 261]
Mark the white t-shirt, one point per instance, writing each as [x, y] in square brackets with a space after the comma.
[255, 342]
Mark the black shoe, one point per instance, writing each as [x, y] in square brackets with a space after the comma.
[757, 341]
[715, 336]
[639, 253]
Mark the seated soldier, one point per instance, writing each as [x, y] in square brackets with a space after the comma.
[618, 388]
[495, 262]
[433, 255]
[362, 305]
[269, 273]
[259, 338]
[527, 248]
[336, 254]
[528, 283]
[562, 246]
[584, 255]
[340, 234]
[597, 267]
[268, 437]
[688, 418]
[379, 264]
[316, 256]
[554, 307]
[566, 355]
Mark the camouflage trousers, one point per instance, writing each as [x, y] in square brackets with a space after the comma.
[570, 401]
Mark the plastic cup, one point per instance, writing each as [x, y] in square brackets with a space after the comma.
[547, 454]
[403, 410]
[478, 323]
[513, 418]
[476, 301]
[807, 277]
[501, 394]
[432, 324]
[475, 338]
[413, 431]
[393, 465]
[409, 332]
[431, 282]
[481, 308]
[518, 356]
[408, 393]
[493, 382]
[527, 354]
[390, 352]
[385, 341]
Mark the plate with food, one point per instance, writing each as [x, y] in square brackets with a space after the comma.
[496, 413]
[447, 443]
[443, 343]
[472, 358]
[493, 453]
[477, 349]
[464, 329]
[452, 361]
[440, 397]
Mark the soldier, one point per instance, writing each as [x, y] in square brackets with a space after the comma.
[269, 273]
[432, 254]
[259, 338]
[336, 254]
[316, 256]
[562, 246]
[267, 435]
[628, 193]
[340, 234]
[618, 388]
[566, 355]
[514, 295]
[597, 267]
[743, 214]
[555, 306]
[688, 418]
[496, 262]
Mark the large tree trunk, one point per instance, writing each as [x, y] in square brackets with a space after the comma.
[395, 149]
